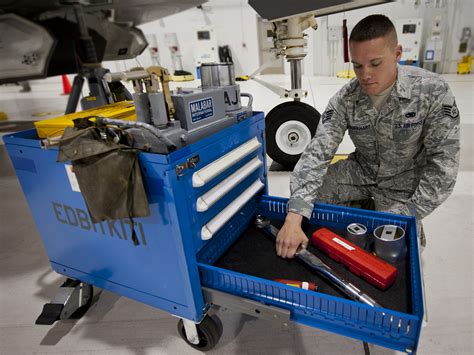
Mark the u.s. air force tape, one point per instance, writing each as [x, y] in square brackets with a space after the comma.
[327, 115]
[451, 111]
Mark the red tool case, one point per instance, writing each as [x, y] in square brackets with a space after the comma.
[362, 263]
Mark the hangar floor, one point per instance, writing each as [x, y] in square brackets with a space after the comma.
[116, 325]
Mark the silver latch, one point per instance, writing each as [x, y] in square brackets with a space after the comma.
[189, 164]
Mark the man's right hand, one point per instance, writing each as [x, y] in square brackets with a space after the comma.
[291, 236]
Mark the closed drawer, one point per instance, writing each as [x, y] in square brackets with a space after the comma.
[220, 157]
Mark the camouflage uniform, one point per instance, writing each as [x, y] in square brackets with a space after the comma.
[406, 157]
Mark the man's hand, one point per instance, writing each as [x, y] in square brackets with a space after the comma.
[291, 236]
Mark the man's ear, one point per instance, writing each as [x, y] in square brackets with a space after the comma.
[398, 52]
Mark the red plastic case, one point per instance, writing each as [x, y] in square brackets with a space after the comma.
[362, 263]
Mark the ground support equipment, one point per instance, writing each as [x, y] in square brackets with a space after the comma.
[203, 200]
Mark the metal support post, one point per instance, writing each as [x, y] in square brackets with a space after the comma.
[295, 73]
[76, 91]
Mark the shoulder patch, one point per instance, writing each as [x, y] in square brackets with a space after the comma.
[327, 115]
[451, 111]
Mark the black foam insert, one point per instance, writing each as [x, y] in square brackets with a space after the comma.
[254, 254]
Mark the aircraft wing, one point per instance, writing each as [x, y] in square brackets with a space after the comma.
[275, 10]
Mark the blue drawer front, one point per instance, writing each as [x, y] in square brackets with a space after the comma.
[209, 150]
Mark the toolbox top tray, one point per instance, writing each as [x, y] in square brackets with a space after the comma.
[397, 326]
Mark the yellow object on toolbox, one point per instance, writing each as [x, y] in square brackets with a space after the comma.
[123, 110]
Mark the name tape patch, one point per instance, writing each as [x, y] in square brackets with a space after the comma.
[359, 128]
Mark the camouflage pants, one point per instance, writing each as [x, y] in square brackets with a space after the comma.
[341, 188]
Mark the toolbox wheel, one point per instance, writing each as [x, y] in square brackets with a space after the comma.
[289, 129]
[218, 322]
[209, 332]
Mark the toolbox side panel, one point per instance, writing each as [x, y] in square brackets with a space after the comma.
[103, 253]
[162, 270]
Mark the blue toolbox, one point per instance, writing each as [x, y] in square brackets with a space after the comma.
[199, 244]
[185, 242]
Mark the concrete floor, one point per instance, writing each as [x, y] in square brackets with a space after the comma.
[116, 325]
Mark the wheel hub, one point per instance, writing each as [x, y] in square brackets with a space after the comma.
[292, 137]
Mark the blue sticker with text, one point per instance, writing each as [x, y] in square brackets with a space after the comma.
[201, 109]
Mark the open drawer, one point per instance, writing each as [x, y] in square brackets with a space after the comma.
[241, 262]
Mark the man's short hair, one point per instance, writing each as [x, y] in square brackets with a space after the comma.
[372, 27]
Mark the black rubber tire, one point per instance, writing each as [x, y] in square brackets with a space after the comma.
[284, 112]
[218, 322]
[209, 332]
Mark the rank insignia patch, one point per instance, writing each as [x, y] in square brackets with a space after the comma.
[451, 111]
[327, 115]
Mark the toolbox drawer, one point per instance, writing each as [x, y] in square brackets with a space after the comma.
[397, 326]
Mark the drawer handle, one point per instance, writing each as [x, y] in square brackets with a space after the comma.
[210, 171]
[207, 200]
[208, 230]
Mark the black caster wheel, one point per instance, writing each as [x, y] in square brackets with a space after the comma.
[209, 332]
[289, 129]
[218, 322]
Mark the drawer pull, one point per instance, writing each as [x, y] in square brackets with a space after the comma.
[207, 200]
[210, 171]
[208, 230]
